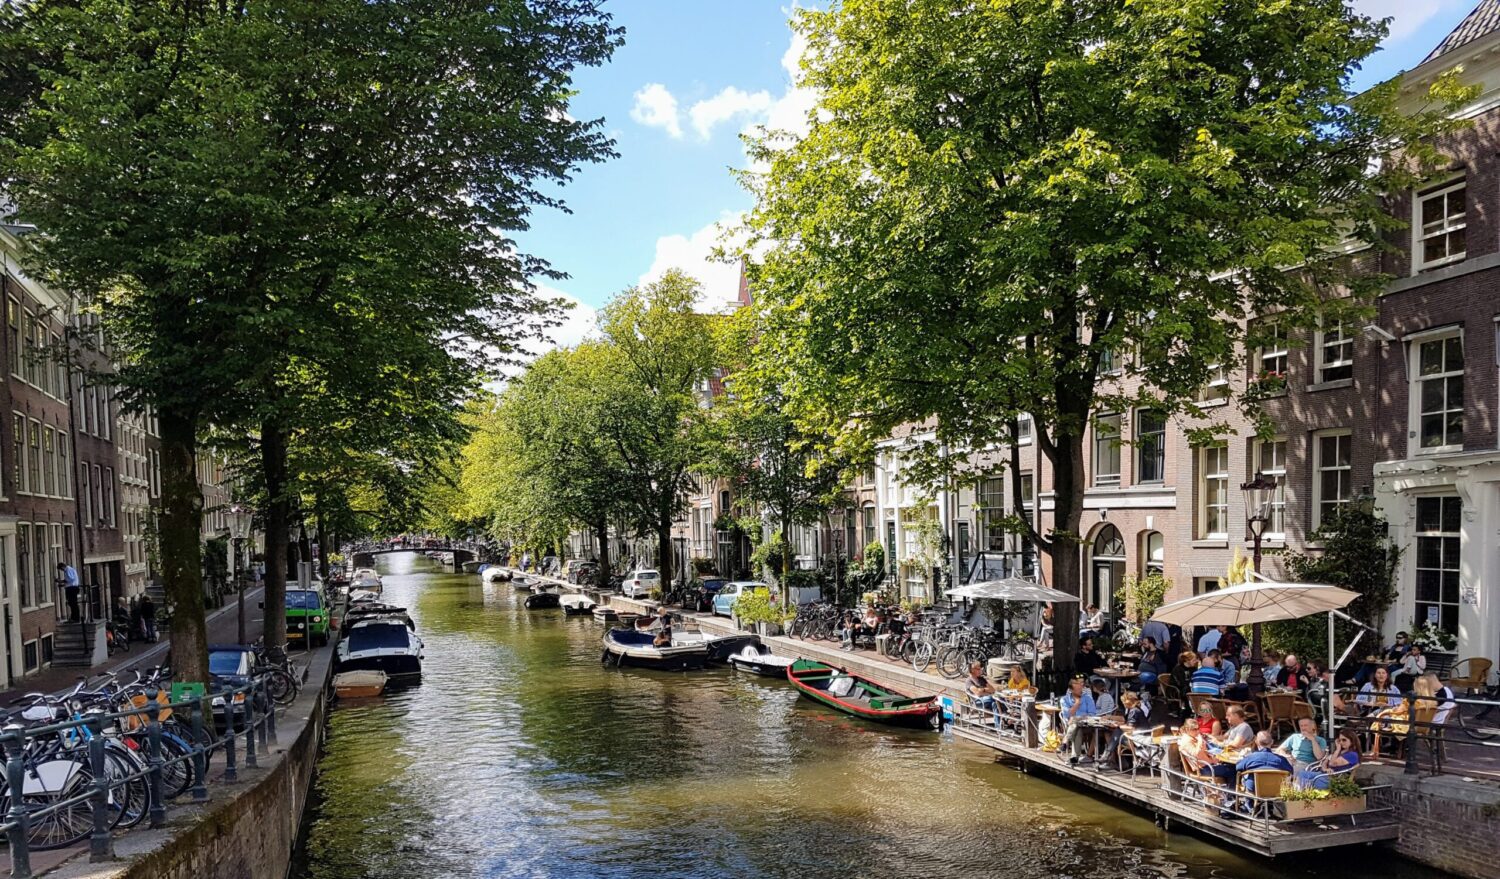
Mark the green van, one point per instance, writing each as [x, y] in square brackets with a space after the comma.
[306, 616]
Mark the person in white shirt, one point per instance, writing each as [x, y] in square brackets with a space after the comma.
[1444, 695]
[1103, 701]
[1091, 624]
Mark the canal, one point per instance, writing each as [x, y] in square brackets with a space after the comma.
[519, 755]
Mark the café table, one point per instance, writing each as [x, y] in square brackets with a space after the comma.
[1115, 676]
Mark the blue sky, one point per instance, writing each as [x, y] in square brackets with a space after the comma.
[691, 76]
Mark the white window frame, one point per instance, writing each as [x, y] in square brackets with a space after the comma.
[1276, 470]
[1442, 570]
[1345, 341]
[1447, 226]
[1320, 467]
[1268, 355]
[1221, 475]
[1215, 391]
[1414, 446]
[1024, 430]
[1113, 449]
[1141, 448]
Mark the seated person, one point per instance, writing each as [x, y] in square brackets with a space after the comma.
[1272, 668]
[1208, 679]
[981, 691]
[1444, 696]
[1137, 719]
[1304, 747]
[663, 636]
[1293, 676]
[1389, 659]
[1240, 735]
[1233, 689]
[1413, 665]
[1261, 758]
[1086, 661]
[1318, 683]
[1197, 759]
[1342, 758]
[1017, 682]
[1076, 704]
[1091, 624]
[1152, 665]
[1104, 703]
[1378, 693]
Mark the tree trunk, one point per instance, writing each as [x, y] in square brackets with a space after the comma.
[664, 540]
[601, 576]
[181, 551]
[1068, 475]
[786, 559]
[273, 464]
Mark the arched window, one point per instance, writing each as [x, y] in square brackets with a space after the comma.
[1154, 553]
[1108, 544]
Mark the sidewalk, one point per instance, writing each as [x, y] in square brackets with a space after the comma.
[223, 628]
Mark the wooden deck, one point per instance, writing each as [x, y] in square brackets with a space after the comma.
[1147, 793]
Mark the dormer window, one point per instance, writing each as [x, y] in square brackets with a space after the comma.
[1441, 222]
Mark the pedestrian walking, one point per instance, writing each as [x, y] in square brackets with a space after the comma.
[148, 617]
[69, 580]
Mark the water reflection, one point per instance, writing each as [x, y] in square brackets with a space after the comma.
[520, 755]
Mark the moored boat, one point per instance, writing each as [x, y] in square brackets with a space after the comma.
[542, 601]
[523, 583]
[381, 644]
[720, 647]
[494, 574]
[359, 684]
[627, 646]
[605, 614]
[861, 697]
[575, 605]
[758, 659]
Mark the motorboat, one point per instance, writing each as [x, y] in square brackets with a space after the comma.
[359, 684]
[542, 601]
[605, 614]
[523, 583]
[375, 610]
[637, 648]
[494, 574]
[366, 583]
[720, 647]
[860, 696]
[576, 604]
[758, 659]
[362, 596]
[381, 644]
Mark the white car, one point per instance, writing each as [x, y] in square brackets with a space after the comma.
[640, 583]
[729, 593]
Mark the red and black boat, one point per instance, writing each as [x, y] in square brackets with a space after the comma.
[861, 697]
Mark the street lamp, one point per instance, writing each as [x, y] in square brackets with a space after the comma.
[239, 529]
[1259, 494]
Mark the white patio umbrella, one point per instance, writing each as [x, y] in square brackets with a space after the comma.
[1247, 603]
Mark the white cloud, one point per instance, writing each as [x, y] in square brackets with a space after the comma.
[1406, 15]
[577, 324]
[693, 254]
[655, 107]
[726, 105]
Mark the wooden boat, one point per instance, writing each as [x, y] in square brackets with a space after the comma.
[522, 583]
[605, 614]
[359, 684]
[627, 646]
[861, 697]
[758, 659]
[542, 601]
[575, 605]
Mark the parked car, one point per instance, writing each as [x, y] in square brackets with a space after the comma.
[230, 666]
[711, 585]
[582, 572]
[729, 593]
[306, 615]
[638, 584]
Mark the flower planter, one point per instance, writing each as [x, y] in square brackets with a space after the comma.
[1302, 810]
[765, 630]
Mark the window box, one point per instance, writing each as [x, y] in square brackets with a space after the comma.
[1265, 386]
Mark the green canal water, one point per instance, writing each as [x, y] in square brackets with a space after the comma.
[519, 755]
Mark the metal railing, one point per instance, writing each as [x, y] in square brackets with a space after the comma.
[1472, 723]
[105, 788]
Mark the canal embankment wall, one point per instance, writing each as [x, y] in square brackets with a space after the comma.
[1451, 822]
[248, 828]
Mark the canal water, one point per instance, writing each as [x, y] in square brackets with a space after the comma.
[519, 755]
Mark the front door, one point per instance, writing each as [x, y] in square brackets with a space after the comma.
[890, 547]
[963, 552]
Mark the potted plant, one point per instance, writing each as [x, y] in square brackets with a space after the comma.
[755, 610]
[1433, 639]
[1344, 796]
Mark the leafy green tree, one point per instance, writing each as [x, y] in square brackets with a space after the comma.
[996, 203]
[235, 182]
[662, 357]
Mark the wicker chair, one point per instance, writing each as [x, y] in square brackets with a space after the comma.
[1280, 709]
[1476, 674]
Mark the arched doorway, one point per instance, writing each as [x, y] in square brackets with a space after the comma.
[1107, 569]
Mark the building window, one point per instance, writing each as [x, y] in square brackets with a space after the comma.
[1440, 393]
[18, 453]
[869, 528]
[1271, 358]
[23, 564]
[1154, 553]
[67, 544]
[1335, 353]
[34, 457]
[1270, 459]
[1109, 362]
[13, 336]
[46, 642]
[1023, 430]
[99, 498]
[86, 495]
[1331, 460]
[64, 467]
[1213, 491]
[40, 567]
[1437, 561]
[29, 656]
[1216, 389]
[992, 512]
[106, 422]
[1440, 226]
[1107, 450]
[1028, 512]
[1150, 446]
[49, 462]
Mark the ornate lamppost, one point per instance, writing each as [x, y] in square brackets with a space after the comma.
[239, 529]
[1259, 493]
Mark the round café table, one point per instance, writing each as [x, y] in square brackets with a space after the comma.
[1115, 676]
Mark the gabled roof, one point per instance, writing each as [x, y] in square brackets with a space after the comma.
[1482, 20]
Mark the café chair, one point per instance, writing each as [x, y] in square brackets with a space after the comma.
[1476, 675]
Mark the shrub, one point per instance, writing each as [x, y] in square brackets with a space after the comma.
[755, 606]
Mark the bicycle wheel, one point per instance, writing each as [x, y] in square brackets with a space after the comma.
[1479, 727]
[177, 766]
[921, 656]
[130, 801]
[281, 687]
[949, 661]
[68, 825]
[1023, 650]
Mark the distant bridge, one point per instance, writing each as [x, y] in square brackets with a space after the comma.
[463, 551]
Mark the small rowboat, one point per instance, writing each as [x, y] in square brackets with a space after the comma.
[625, 646]
[576, 605]
[758, 659]
[605, 614]
[861, 697]
[359, 684]
[541, 600]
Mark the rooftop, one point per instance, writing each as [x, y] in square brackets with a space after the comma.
[1484, 19]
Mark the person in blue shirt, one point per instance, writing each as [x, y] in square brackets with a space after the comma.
[1342, 758]
[1076, 704]
[1261, 758]
[1208, 678]
[1210, 639]
[71, 589]
[1304, 747]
